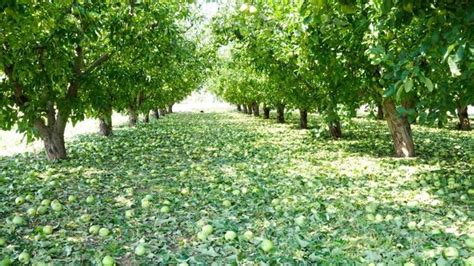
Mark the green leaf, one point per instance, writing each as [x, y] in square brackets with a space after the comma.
[448, 51]
[428, 84]
[453, 67]
[408, 85]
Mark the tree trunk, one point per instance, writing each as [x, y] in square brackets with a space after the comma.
[132, 117]
[400, 130]
[245, 109]
[380, 112]
[303, 119]
[170, 108]
[266, 112]
[53, 138]
[156, 114]
[105, 123]
[256, 109]
[335, 129]
[163, 111]
[146, 118]
[249, 109]
[280, 113]
[463, 116]
[239, 108]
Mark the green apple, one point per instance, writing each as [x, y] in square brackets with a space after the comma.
[94, 229]
[230, 235]
[86, 217]
[148, 197]
[129, 213]
[451, 253]
[202, 236]
[103, 232]
[300, 220]
[226, 203]
[46, 202]
[31, 212]
[165, 209]
[42, 210]
[252, 10]
[18, 220]
[140, 250]
[266, 245]
[470, 243]
[47, 229]
[90, 199]
[248, 235]
[71, 198]
[371, 207]
[469, 261]
[185, 191]
[30, 198]
[146, 203]
[108, 261]
[19, 200]
[207, 229]
[2, 241]
[411, 225]
[24, 257]
[56, 206]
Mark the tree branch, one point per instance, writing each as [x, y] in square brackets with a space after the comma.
[20, 98]
[99, 61]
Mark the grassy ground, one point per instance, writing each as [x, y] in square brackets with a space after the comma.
[317, 200]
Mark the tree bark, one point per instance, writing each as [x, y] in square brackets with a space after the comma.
[156, 114]
[400, 130]
[280, 113]
[163, 112]
[303, 119]
[245, 109]
[335, 129]
[380, 115]
[256, 109]
[249, 109]
[146, 118]
[170, 108]
[132, 117]
[266, 112]
[105, 122]
[53, 136]
[239, 108]
[463, 116]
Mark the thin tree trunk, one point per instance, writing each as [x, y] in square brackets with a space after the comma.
[266, 112]
[280, 113]
[163, 111]
[239, 108]
[335, 129]
[380, 115]
[170, 108]
[105, 123]
[303, 119]
[256, 109]
[146, 117]
[245, 109]
[156, 114]
[463, 116]
[249, 109]
[132, 117]
[400, 130]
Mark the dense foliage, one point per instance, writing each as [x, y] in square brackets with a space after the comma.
[413, 60]
[63, 61]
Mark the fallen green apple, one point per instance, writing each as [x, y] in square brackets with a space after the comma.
[266, 245]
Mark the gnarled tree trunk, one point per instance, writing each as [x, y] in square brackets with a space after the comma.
[156, 114]
[132, 117]
[280, 113]
[303, 119]
[335, 129]
[170, 108]
[239, 108]
[400, 130]
[463, 116]
[256, 109]
[249, 109]
[266, 112]
[53, 135]
[380, 115]
[244, 107]
[105, 123]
